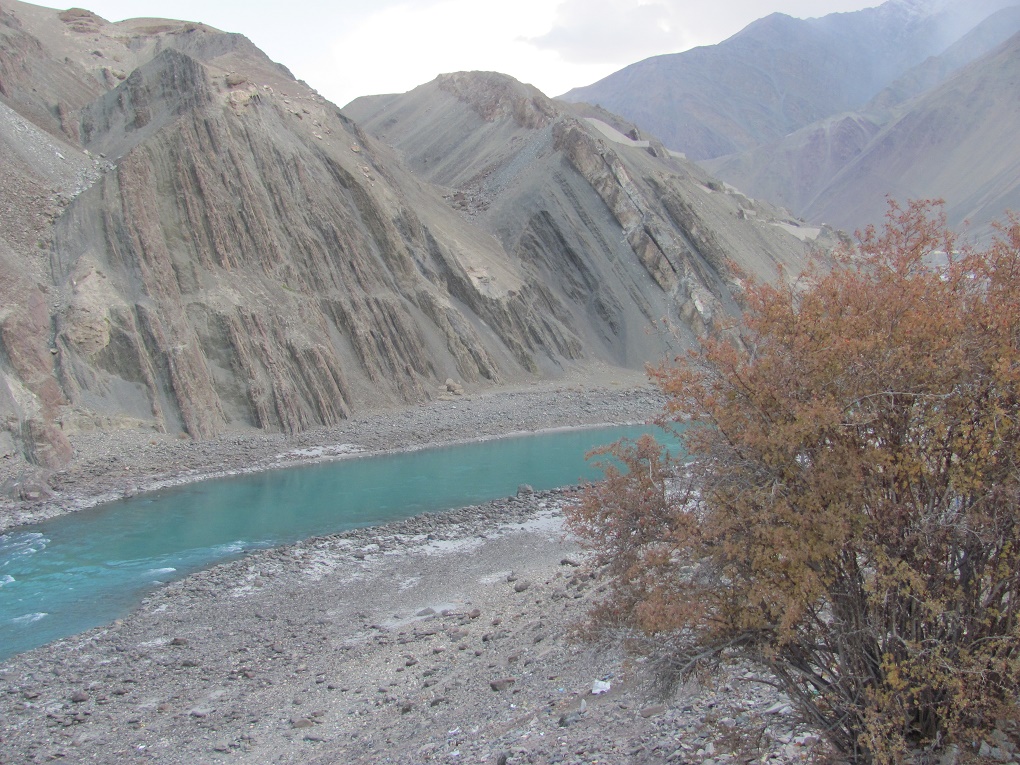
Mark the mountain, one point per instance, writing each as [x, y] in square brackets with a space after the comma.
[562, 187]
[780, 74]
[957, 142]
[195, 242]
[944, 130]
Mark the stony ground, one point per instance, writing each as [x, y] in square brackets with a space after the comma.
[440, 639]
[444, 638]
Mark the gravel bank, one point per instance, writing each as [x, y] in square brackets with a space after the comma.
[108, 466]
[443, 638]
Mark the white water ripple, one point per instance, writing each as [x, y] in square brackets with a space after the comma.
[20, 545]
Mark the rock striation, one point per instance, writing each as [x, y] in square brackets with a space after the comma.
[196, 242]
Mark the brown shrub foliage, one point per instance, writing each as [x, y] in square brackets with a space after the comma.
[849, 519]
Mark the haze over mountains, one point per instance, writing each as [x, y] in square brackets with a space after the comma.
[828, 116]
[194, 241]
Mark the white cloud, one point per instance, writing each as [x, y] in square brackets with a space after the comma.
[621, 31]
[406, 45]
[347, 48]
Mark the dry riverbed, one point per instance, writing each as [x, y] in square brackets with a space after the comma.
[443, 638]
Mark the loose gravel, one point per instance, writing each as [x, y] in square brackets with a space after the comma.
[445, 638]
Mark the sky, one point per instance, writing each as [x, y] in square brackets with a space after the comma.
[349, 48]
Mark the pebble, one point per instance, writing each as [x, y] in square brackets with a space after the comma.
[251, 645]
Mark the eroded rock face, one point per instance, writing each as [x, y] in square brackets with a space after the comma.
[637, 250]
[225, 249]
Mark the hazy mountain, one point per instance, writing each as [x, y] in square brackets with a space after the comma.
[780, 74]
[953, 141]
[194, 241]
[956, 142]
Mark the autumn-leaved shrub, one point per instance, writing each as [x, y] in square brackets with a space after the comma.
[849, 516]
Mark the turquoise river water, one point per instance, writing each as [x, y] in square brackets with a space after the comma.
[83, 570]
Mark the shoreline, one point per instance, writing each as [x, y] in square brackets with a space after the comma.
[446, 637]
[117, 465]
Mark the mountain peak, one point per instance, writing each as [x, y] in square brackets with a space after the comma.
[493, 96]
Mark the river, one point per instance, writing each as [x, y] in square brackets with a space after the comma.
[86, 569]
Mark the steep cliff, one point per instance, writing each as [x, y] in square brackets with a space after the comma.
[199, 242]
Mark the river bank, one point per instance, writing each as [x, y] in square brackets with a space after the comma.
[110, 465]
[443, 638]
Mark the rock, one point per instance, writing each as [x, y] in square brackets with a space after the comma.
[522, 585]
[569, 718]
[79, 697]
[599, 687]
[951, 755]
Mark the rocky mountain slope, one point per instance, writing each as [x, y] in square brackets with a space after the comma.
[781, 74]
[592, 211]
[944, 130]
[195, 242]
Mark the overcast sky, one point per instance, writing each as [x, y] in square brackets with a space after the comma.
[348, 48]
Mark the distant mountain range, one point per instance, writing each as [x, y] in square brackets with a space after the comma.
[829, 116]
[195, 242]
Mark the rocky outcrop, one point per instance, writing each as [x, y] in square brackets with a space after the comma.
[224, 249]
[635, 249]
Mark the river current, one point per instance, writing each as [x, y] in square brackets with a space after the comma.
[86, 569]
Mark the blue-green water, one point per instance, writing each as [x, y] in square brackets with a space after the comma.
[80, 571]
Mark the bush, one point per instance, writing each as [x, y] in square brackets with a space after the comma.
[849, 516]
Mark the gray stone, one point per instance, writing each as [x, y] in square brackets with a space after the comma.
[502, 684]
